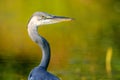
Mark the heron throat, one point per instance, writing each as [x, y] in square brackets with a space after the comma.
[43, 44]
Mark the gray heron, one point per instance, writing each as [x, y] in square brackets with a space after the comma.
[38, 19]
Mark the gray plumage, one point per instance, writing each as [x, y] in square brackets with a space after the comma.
[37, 19]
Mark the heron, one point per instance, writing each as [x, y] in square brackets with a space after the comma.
[38, 19]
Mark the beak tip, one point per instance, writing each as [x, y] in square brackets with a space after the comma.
[71, 19]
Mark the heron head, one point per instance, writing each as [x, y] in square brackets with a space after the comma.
[42, 18]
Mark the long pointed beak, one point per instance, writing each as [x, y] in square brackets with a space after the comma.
[54, 19]
[61, 18]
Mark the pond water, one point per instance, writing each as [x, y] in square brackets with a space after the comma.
[18, 68]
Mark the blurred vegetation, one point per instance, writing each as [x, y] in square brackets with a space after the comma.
[79, 48]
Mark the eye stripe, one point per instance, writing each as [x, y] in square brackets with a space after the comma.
[42, 17]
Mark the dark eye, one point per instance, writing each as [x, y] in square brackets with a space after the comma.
[43, 17]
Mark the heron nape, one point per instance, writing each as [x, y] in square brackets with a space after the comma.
[39, 19]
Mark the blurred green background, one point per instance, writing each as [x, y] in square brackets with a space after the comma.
[84, 49]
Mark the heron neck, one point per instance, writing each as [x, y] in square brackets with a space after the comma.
[33, 33]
